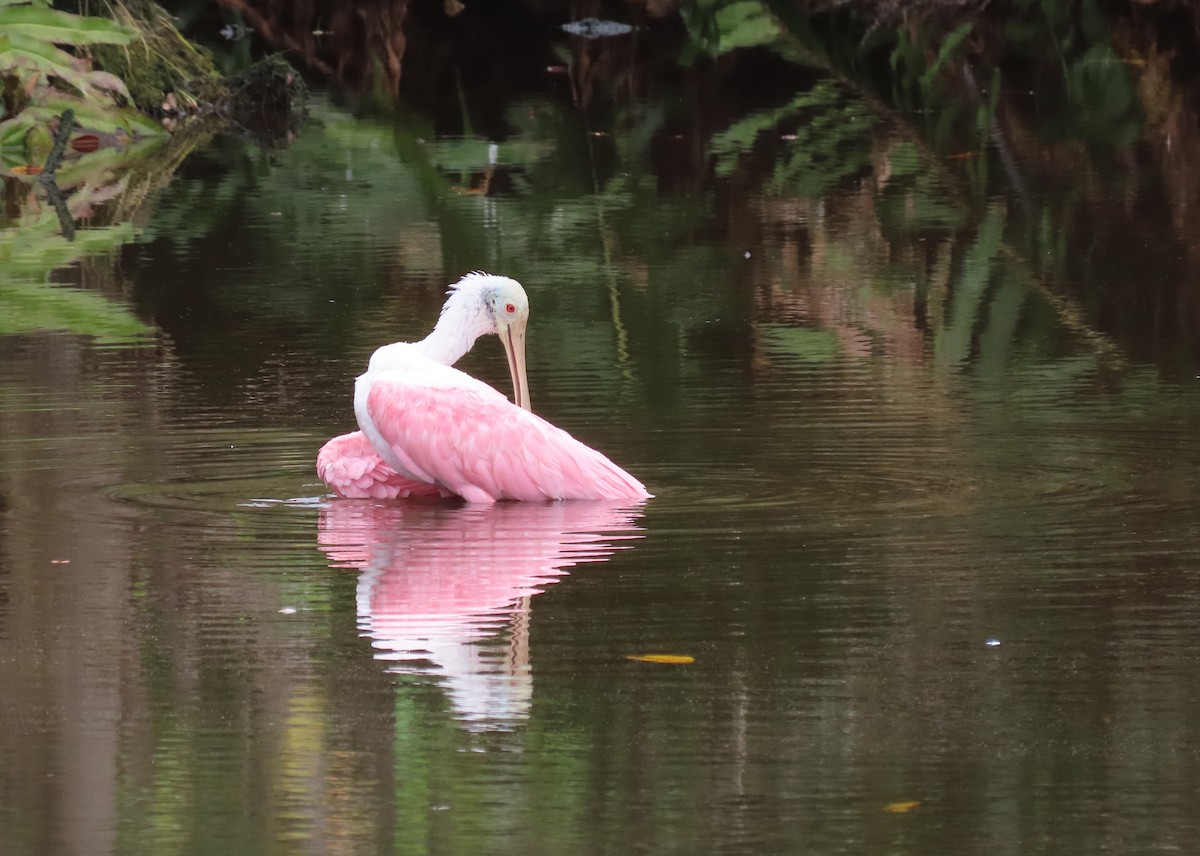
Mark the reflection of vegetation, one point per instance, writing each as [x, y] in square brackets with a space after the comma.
[814, 346]
[31, 308]
[26, 138]
[40, 238]
[910, 52]
[916, 197]
[583, 194]
[716, 27]
[1096, 101]
[956, 336]
[829, 142]
[33, 248]
[33, 68]
[107, 187]
[1045, 94]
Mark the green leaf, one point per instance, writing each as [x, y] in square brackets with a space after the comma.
[26, 53]
[12, 134]
[50, 25]
[22, 52]
[109, 82]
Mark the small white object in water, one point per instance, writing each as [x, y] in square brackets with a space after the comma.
[992, 643]
[594, 28]
[288, 610]
[235, 32]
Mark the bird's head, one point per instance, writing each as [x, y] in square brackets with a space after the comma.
[506, 303]
[503, 309]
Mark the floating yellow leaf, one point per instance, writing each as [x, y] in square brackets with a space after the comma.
[673, 659]
[901, 807]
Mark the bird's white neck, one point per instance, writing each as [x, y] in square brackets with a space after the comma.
[463, 320]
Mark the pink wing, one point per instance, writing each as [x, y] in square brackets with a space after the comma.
[353, 469]
[477, 444]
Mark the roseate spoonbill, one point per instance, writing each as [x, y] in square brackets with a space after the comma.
[428, 429]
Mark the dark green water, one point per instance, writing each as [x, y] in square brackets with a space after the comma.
[925, 464]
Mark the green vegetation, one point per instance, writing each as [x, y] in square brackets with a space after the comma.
[160, 61]
[115, 157]
[41, 79]
[29, 52]
[33, 247]
[925, 122]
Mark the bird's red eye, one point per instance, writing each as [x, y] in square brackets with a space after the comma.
[510, 309]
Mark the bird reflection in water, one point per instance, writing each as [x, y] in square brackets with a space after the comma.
[438, 584]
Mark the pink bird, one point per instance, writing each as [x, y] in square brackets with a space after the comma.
[428, 429]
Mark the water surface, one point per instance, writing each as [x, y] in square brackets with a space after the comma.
[924, 517]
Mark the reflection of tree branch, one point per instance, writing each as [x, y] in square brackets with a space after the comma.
[65, 221]
[1068, 312]
[1066, 309]
[614, 298]
[1001, 143]
[66, 123]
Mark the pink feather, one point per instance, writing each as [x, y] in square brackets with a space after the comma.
[350, 466]
[485, 446]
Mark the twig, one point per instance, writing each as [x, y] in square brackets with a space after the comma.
[66, 124]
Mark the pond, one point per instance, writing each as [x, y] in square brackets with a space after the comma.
[924, 546]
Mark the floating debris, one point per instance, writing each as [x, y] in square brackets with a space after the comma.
[669, 659]
[594, 28]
